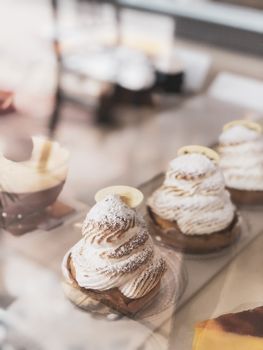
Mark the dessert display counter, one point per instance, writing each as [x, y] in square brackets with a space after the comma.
[215, 284]
[37, 292]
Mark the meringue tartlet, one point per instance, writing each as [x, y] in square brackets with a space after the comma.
[241, 151]
[192, 210]
[116, 262]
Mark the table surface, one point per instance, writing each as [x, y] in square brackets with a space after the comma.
[30, 270]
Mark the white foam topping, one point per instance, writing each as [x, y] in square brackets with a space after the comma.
[110, 210]
[192, 164]
[24, 177]
[238, 134]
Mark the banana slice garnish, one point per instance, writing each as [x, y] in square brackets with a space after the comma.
[130, 195]
[208, 152]
[247, 123]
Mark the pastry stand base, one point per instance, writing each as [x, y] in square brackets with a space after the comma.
[162, 306]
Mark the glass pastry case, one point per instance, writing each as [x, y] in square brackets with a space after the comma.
[196, 287]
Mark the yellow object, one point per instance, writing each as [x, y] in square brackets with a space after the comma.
[208, 152]
[130, 195]
[240, 331]
[246, 123]
[207, 339]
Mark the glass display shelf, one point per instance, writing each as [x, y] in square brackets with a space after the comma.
[31, 280]
[30, 270]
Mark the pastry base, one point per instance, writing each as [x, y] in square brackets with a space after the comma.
[91, 300]
[170, 234]
[243, 197]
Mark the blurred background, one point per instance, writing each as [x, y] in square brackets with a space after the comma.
[111, 80]
[121, 84]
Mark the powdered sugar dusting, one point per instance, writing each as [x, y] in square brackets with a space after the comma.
[192, 164]
[110, 209]
[126, 248]
[115, 250]
[129, 265]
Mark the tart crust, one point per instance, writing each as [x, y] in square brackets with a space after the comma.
[111, 298]
[243, 197]
[171, 235]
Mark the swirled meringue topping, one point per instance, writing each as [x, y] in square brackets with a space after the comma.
[193, 195]
[241, 151]
[116, 251]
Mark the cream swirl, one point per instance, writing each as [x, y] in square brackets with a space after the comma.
[241, 151]
[116, 251]
[193, 195]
